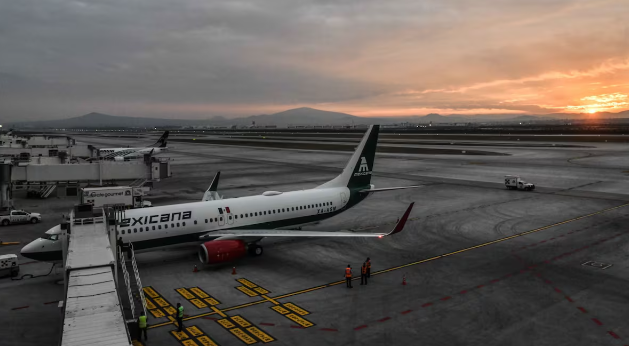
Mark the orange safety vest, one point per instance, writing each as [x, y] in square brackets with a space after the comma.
[348, 272]
[369, 264]
[364, 270]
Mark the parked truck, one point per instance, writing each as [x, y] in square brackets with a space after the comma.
[131, 197]
[514, 182]
[18, 216]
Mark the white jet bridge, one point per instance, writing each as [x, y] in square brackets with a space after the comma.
[99, 309]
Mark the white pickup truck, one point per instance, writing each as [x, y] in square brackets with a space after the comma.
[514, 182]
[19, 216]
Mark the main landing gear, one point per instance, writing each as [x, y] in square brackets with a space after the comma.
[255, 250]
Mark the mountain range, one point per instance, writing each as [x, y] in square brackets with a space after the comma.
[291, 117]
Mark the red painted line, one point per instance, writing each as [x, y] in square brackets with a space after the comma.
[407, 311]
[613, 334]
[480, 286]
[300, 327]
[582, 310]
[524, 270]
[21, 307]
[445, 298]
[541, 242]
[426, 305]
[508, 275]
[463, 292]
[562, 235]
[548, 281]
[266, 324]
[359, 327]
[557, 290]
[54, 302]
[552, 238]
[329, 329]
[597, 321]
[495, 280]
[570, 299]
[384, 319]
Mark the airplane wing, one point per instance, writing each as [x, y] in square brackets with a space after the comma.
[293, 233]
[391, 188]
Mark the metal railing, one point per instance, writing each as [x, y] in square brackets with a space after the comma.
[127, 282]
[137, 279]
[88, 220]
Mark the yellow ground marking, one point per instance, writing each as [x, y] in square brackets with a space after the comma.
[296, 309]
[179, 335]
[189, 343]
[247, 283]
[262, 301]
[199, 292]
[270, 299]
[136, 343]
[206, 341]
[260, 290]
[264, 337]
[198, 303]
[194, 331]
[244, 337]
[241, 321]
[150, 292]
[184, 292]
[172, 321]
[161, 302]
[218, 311]
[246, 291]
[157, 313]
[10, 243]
[280, 309]
[150, 305]
[226, 323]
[212, 301]
[301, 321]
[170, 310]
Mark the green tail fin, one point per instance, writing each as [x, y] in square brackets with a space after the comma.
[357, 172]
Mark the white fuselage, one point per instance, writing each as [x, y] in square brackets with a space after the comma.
[136, 151]
[288, 209]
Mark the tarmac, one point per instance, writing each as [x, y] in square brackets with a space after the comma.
[483, 265]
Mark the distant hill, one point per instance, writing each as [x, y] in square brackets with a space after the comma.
[298, 116]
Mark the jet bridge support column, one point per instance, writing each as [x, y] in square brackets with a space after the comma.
[6, 197]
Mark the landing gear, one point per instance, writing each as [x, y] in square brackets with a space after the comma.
[255, 250]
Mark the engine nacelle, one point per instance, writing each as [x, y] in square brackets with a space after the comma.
[219, 251]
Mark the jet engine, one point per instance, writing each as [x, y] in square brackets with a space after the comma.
[219, 251]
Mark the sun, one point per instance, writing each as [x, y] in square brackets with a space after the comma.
[592, 111]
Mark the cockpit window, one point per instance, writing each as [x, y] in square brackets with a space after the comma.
[50, 236]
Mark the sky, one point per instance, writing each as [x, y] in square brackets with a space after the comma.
[194, 59]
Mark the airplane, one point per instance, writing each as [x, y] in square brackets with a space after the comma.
[230, 228]
[120, 154]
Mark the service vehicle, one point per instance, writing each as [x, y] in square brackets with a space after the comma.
[19, 216]
[514, 182]
[131, 197]
[9, 265]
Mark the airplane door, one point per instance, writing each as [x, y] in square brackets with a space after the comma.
[230, 218]
[221, 220]
[343, 198]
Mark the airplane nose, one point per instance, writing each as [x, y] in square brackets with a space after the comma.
[30, 250]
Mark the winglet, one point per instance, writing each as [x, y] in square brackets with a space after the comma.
[214, 185]
[400, 224]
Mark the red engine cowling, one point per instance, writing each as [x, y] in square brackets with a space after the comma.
[219, 251]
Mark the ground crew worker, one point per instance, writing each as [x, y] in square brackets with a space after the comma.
[368, 267]
[348, 276]
[363, 274]
[180, 316]
[142, 326]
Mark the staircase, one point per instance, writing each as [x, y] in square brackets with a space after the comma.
[132, 295]
[48, 190]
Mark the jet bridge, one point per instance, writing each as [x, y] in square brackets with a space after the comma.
[99, 308]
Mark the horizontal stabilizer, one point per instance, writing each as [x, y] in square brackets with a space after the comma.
[293, 233]
[391, 188]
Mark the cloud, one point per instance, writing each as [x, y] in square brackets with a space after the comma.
[198, 58]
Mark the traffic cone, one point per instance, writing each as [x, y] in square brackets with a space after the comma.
[234, 271]
[404, 280]
[195, 269]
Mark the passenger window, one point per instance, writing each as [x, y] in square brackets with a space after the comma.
[282, 210]
[230, 217]
[172, 225]
[159, 226]
[205, 220]
[177, 224]
[123, 231]
[236, 217]
[246, 215]
[221, 218]
[265, 213]
[141, 229]
[135, 230]
[153, 228]
[166, 226]
[273, 211]
[195, 222]
[184, 224]
[211, 220]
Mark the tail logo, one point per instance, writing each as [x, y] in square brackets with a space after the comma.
[363, 169]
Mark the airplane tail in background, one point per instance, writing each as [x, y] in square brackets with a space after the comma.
[357, 172]
[162, 142]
